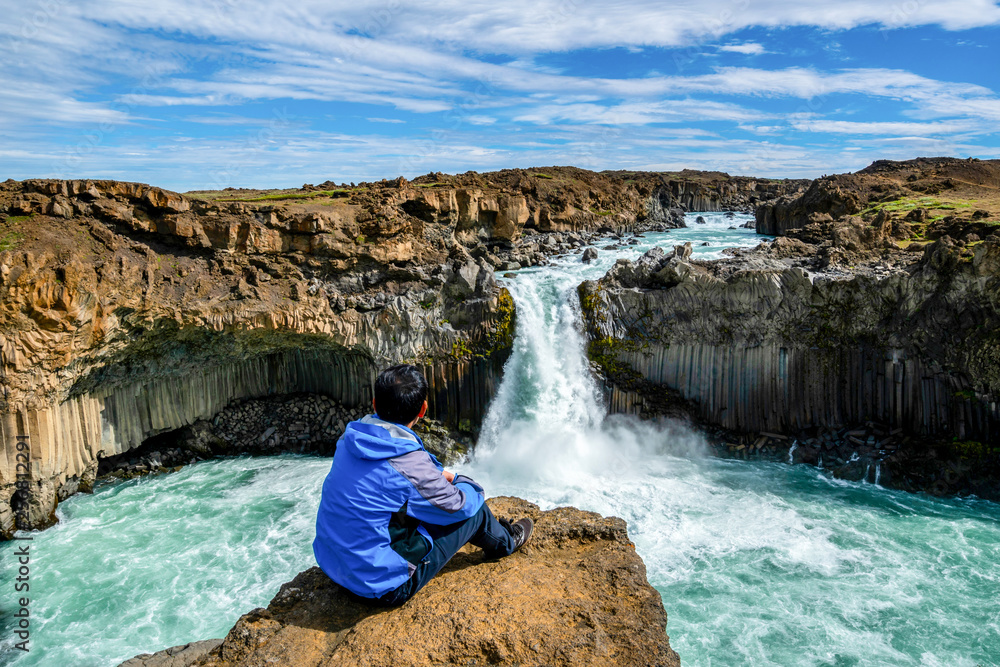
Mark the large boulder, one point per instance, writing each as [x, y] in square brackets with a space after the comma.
[577, 594]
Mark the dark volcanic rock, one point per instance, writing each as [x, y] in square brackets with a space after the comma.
[759, 345]
[175, 656]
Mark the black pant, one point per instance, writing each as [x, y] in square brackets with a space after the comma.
[482, 530]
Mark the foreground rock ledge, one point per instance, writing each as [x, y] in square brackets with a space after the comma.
[576, 595]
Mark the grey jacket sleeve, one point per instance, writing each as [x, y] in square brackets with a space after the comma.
[433, 499]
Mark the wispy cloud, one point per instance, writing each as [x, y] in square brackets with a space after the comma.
[882, 128]
[473, 84]
[747, 48]
[640, 113]
[227, 120]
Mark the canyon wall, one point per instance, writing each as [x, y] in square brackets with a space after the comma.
[560, 199]
[777, 349]
[128, 311]
[714, 191]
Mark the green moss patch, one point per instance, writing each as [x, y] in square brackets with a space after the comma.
[605, 353]
[907, 204]
[10, 233]
[970, 450]
[501, 333]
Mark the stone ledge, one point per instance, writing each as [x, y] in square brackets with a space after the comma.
[577, 594]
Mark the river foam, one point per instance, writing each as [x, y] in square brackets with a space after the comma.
[758, 563]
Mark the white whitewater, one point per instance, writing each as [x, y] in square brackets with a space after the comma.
[758, 563]
[791, 451]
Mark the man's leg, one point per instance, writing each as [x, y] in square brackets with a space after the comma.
[482, 530]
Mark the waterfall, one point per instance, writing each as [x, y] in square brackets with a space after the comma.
[548, 419]
[878, 473]
[547, 380]
[791, 451]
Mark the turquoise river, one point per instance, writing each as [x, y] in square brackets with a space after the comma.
[757, 563]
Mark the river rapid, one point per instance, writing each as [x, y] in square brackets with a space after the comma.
[758, 563]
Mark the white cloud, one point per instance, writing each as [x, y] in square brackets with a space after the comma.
[385, 120]
[291, 156]
[516, 26]
[531, 26]
[747, 48]
[473, 64]
[227, 120]
[883, 128]
[36, 102]
[416, 59]
[639, 113]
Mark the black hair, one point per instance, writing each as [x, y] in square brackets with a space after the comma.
[400, 392]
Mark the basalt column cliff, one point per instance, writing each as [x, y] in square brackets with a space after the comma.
[871, 321]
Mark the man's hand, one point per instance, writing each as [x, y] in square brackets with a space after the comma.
[450, 476]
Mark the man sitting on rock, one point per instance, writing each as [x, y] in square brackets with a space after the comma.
[390, 516]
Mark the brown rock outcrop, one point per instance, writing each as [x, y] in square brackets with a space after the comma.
[914, 200]
[577, 594]
[144, 311]
[496, 207]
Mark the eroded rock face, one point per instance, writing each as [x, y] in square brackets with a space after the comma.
[498, 206]
[127, 311]
[773, 342]
[912, 201]
[869, 306]
[577, 594]
[928, 334]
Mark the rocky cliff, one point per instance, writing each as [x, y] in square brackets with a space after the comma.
[128, 311]
[851, 322]
[577, 594]
[777, 348]
[560, 199]
[912, 201]
[763, 346]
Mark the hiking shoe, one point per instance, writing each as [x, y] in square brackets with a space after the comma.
[521, 532]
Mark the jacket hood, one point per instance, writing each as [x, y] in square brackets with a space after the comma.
[375, 439]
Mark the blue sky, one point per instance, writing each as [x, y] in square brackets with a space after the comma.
[192, 94]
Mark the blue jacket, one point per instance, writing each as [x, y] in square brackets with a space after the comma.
[383, 481]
